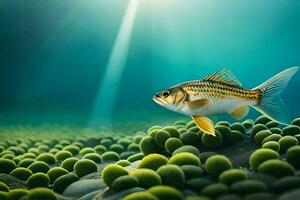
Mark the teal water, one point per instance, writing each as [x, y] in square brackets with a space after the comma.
[54, 55]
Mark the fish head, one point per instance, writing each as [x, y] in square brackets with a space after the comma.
[171, 98]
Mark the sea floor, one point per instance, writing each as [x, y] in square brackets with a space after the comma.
[256, 159]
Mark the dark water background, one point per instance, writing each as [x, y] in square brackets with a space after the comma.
[53, 53]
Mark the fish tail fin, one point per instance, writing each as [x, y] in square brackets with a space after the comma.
[271, 104]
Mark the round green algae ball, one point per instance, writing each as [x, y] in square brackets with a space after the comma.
[135, 157]
[140, 196]
[172, 144]
[6, 165]
[248, 123]
[53, 151]
[187, 148]
[147, 177]
[258, 127]
[248, 187]
[286, 183]
[153, 161]
[276, 168]
[172, 175]
[236, 136]
[106, 142]
[61, 183]
[84, 167]
[231, 176]
[56, 172]
[275, 130]
[125, 182]
[39, 166]
[225, 132]
[111, 172]
[133, 147]
[293, 155]
[59, 146]
[179, 122]
[212, 141]
[223, 123]
[127, 154]
[38, 180]
[73, 149]
[190, 124]
[155, 127]
[215, 190]
[110, 156]
[190, 138]
[138, 137]
[148, 145]
[261, 135]
[272, 124]
[182, 130]
[229, 197]
[69, 163]
[9, 157]
[298, 138]
[100, 149]
[195, 129]
[62, 155]
[262, 120]
[26, 162]
[123, 163]
[296, 122]
[41, 193]
[46, 157]
[261, 196]
[29, 155]
[287, 142]
[205, 155]
[3, 195]
[192, 171]
[172, 131]
[163, 192]
[197, 184]
[271, 145]
[161, 137]
[17, 159]
[117, 148]
[238, 127]
[274, 137]
[86, 150]
[184, 158]
[78, 144]
[291, 130]
[94, 157]
[16, 194]
[21, 173]
[261, 155]
[4, 187]
[217, 164]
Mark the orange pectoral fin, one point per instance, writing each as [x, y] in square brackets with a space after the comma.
[240, 112]
[196, 104]
[204, 124]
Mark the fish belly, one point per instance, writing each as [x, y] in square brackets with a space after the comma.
[217, 106]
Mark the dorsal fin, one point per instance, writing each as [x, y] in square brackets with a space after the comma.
[224, 76]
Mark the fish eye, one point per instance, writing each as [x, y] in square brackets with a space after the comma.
[165, 94]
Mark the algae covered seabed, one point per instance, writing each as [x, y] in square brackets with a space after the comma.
[255, 159]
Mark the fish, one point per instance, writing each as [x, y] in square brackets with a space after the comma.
[221, 92]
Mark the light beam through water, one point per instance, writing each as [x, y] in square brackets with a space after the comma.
[110, 83]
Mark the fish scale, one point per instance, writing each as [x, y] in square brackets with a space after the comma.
[218, 90]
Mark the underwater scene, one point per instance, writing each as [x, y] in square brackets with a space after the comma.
[149, 100]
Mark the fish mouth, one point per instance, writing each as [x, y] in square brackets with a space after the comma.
[157, 100]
